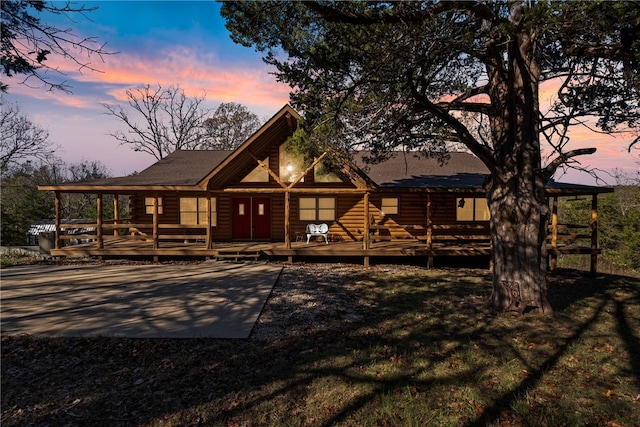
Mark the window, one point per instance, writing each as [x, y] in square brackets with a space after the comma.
[291, 165]
[472, 209]
[389, 206]
[317, 209]
[258, 174]
[193, 210]
[148, 206]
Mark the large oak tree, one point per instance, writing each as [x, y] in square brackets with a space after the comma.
[385, 75]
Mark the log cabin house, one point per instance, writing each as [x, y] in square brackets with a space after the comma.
[256, 201]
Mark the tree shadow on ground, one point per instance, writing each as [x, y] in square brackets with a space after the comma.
[344, 346]
[602, 293]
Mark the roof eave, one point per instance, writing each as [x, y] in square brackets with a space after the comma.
[118, 188]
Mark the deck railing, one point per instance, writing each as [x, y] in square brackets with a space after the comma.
[131, 231]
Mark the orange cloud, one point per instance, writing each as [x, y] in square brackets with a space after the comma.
[196, 75]
[245, 83]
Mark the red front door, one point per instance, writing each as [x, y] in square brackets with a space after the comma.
[251, 218]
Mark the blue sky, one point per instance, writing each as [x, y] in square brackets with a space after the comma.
[185, 43]
[158, 42]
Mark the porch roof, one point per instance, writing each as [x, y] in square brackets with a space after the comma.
[182, 169]
[186, 170]
[457, 171]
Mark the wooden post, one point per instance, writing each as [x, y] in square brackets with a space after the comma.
[116, 214]
[594, 234]
[209, 238]
[58, 241]
[155, 223]
[366, 241]
[429, 233]
[100, 240]
[554, 234]
[287, 221]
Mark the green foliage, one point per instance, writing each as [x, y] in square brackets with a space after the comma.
[619, 227]
[397, 74]
[618, 224]
[22, 204]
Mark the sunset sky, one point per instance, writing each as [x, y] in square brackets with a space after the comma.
[185, 43]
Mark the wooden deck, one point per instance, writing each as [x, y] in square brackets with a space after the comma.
[126, 248]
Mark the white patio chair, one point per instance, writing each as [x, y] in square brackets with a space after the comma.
[314, 230]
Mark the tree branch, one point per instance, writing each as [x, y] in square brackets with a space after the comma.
[551, 168]
[463, 133]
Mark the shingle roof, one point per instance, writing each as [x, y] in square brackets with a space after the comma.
[180, 168]
[409, 170]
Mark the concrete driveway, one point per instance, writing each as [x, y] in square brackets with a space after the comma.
[208, 299]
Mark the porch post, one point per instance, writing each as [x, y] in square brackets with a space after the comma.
[155, 221]
[367, 238]
[57, 239]
[209, 237]
[594, 233]
[100, 241]
[554, 234]
[116, 214]
[287, 221]
[429, 233]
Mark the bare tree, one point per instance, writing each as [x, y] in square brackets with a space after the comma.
[27, 42]
[230, 125]
[20, 138]
[164, 120]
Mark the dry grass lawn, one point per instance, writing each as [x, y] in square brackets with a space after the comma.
[348, 346]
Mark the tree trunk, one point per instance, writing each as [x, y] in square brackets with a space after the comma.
[519, 217]
[515, 191]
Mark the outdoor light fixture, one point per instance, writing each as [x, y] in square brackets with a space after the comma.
[461, 203]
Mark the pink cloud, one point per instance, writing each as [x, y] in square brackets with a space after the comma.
[243, 83]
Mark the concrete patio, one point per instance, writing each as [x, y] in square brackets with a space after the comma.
[177, 300]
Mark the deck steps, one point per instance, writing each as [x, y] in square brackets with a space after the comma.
[236, 255]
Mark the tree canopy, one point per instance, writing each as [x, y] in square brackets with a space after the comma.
[164, 119]
[229, 126]
[415, 74]
[22, 204]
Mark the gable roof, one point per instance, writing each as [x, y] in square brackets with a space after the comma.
[193, 169]
[243, 159]
[196, 169]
